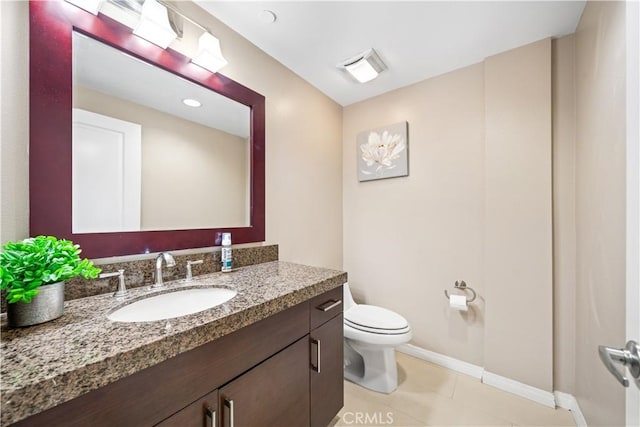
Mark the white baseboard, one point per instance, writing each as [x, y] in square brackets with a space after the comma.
[442, 360]
[568, 402]
[521, 389]
[557, 398]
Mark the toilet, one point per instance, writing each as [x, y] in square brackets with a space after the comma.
[371, 335]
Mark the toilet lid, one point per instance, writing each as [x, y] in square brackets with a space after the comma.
[374, 318]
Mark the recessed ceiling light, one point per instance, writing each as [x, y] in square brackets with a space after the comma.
[191, 102]
[267, 16]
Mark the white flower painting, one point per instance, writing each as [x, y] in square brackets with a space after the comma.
[383, 152]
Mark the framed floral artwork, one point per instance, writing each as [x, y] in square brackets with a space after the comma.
[383, 152]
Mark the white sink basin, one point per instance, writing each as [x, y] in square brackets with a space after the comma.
[172, 304]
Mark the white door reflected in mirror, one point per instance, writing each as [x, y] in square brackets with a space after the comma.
[106, 155]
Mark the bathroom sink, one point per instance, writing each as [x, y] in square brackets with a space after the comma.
[172, 304]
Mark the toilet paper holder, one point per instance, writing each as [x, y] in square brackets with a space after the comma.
[460, 284]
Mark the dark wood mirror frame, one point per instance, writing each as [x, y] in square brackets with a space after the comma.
[51, 25]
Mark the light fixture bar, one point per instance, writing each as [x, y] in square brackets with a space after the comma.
[186, 18]
[155, 25]
[364, 67]
[133, 7]
[91, 6]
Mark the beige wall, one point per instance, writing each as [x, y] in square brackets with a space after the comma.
[600, 206]
[303, 151]
[14, 125]
[193, 176]
[472, 210]
[207, 185]
[564, 211]
[518, 228]
[408, 239]
[303, 143]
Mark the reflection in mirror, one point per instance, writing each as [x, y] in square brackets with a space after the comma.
[142, 158]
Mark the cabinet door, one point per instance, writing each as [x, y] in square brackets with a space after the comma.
[274, 393]
[327, 387]
[201, 413]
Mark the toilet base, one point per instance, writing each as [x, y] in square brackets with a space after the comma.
[371, 366]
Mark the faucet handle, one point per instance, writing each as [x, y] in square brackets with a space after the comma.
[122, 289]
[189, 272]
[112, 274]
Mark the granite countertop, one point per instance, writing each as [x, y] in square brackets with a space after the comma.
[45, 365]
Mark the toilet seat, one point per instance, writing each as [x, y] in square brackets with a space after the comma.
[377, 339]
[376, 325]
[375, 320]
[376, 330]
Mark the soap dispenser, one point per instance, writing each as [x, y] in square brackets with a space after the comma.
[226, 256]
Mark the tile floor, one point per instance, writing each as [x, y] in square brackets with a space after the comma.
[430, 395]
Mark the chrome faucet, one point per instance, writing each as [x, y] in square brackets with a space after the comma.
[168, 259]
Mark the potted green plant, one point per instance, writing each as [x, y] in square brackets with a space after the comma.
[33, 271]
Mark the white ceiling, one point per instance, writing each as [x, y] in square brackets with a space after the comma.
[416, 40]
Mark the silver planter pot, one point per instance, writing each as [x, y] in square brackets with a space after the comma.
[46, 306]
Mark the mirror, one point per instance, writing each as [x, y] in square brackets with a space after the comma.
[141, 155]
[170, 216]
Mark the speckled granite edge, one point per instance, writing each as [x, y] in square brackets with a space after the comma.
[263, 290]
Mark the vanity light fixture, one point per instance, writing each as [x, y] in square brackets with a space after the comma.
[209, 53]
[191, 102]
[154, 24]
[91, 6]
[364, 67]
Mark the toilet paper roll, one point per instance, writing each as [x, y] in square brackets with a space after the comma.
[458, 302]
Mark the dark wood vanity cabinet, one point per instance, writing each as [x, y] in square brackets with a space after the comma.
[274, 393]
[265, 374]
[299, 386]
[326, 385]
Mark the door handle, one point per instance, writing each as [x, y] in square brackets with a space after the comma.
[628, 356]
